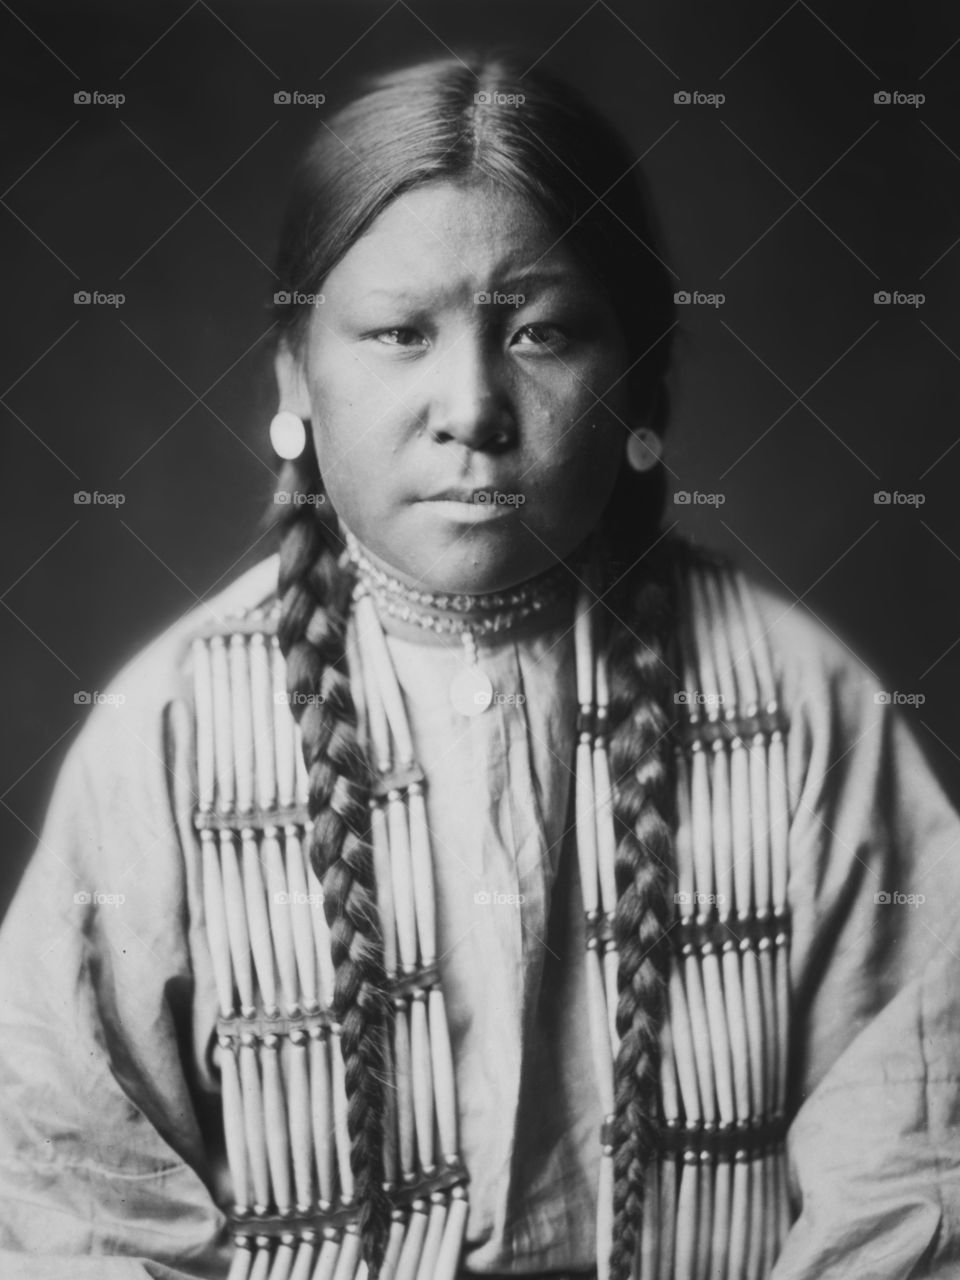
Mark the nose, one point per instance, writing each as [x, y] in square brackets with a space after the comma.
[471, 402]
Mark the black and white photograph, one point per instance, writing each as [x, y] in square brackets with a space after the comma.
[481, 640]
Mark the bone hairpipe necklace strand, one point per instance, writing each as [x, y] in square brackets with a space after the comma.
[405, 882]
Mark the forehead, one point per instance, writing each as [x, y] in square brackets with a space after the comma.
[452, 236]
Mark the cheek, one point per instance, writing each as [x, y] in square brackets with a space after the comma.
[578, 468]
[566, 504]
[601, 443]
[584, 454]
[355, 470]
[352, 446]
[585, 413]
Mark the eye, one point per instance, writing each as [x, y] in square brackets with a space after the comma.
[402, 336]
[546, 336]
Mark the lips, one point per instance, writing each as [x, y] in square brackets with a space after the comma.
[459, 494]
[451, 495]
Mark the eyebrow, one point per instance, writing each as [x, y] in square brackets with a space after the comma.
[512, 283]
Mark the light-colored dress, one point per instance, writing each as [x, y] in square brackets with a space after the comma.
[111, 1134]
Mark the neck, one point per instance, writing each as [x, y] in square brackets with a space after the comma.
[413, 612]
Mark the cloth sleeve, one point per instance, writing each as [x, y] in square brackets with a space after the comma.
[105, 1158]
[874, 1145]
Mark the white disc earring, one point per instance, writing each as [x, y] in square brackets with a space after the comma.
[288, 435]
[644, 449]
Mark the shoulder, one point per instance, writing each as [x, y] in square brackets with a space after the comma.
[136, 700]
[128, 780]
[765, 644]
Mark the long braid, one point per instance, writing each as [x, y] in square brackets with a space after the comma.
[314, 599]
[642, 630]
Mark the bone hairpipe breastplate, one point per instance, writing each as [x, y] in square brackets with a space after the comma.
[717, 1193]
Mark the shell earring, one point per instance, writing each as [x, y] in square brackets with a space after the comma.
[644, 449]
[288, 435]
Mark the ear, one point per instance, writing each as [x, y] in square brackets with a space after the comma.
[638, 398]
[292, 391]
[645, 404]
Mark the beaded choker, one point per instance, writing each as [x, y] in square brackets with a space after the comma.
[463, 615]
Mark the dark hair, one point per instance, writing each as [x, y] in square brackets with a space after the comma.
[421, 124]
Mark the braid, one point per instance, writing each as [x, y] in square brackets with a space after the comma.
[314, 603]
[642, 630]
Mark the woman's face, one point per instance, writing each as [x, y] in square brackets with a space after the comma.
[453, 377]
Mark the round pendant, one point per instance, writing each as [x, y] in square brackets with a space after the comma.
[471, 691]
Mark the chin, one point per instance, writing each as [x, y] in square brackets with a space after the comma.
[473, 567]
[489, 556]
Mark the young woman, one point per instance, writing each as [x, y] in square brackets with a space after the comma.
[489, 884]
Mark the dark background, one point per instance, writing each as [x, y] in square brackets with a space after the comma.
[798, 198]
